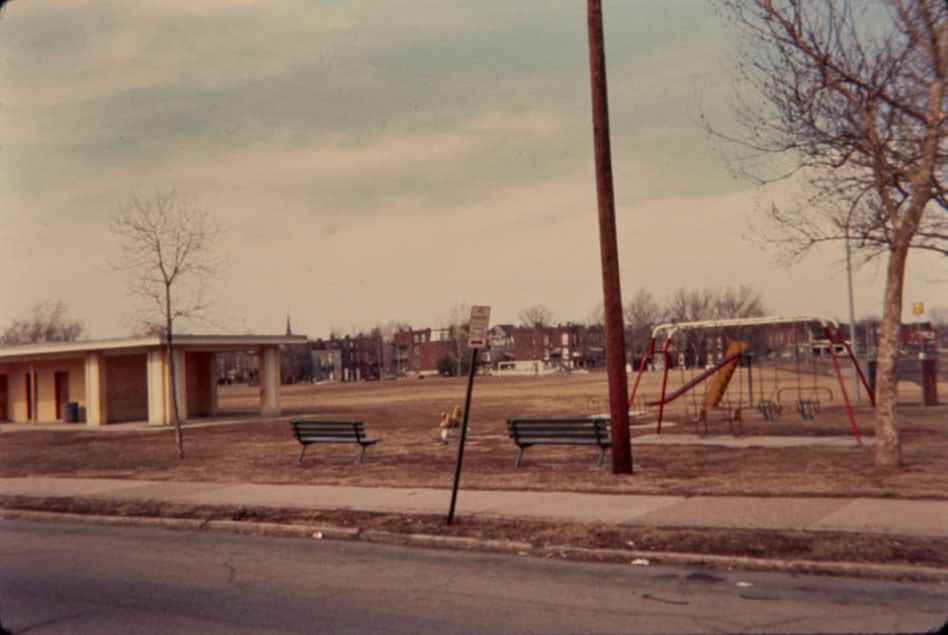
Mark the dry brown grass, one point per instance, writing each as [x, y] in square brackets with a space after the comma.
[406, 414]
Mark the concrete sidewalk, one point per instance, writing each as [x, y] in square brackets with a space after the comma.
[860, 515]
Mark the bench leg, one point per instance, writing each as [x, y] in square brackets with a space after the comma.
[602, 456]
[302, 452]
[519, 456]
[361, 454]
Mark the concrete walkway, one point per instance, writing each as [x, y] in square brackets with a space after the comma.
[861, 515]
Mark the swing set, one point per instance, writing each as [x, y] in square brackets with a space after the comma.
[737, 355]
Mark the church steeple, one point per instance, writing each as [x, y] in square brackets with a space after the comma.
[289, 330]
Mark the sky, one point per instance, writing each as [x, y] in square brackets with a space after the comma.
[379, 161]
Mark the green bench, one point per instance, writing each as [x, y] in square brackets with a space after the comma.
[526, 432]
[309, 431]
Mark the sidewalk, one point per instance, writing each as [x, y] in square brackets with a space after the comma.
[923, 518]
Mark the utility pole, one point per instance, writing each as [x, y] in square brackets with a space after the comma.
[608, 247]
[854, 345]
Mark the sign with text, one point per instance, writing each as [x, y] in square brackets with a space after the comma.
[477, 331]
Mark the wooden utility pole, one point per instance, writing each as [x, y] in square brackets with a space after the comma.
[608, 247]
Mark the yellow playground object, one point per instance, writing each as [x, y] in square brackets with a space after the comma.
[723, 377]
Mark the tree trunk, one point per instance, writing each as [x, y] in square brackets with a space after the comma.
[169, 327]
[888, 445]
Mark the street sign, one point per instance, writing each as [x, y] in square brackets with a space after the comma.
[477, 331]
[477, 338]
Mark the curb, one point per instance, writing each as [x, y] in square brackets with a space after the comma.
[908, 573]
[563, 552]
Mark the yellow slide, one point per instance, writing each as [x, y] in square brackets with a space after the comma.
[721, 379]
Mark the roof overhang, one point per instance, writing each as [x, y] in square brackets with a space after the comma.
[203, 343]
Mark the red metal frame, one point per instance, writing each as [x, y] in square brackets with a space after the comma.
[759, 321]
[694, 381]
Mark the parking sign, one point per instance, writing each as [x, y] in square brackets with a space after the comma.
[477, 331]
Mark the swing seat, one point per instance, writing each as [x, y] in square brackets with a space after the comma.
[808, 408]
[770, 410]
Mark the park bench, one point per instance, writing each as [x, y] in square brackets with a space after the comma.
[559, 431]
[309, 431]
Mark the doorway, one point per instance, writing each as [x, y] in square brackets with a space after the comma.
[29, 396]
[62, 393]
[4, 414]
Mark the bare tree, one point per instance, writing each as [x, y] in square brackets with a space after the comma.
[690, 305]
[641, 314]
[597, 316]
[457, 322]
[742, 302]
[849, 100]
[50, 322]
[537, 315]
[536, 318]
[167, 252]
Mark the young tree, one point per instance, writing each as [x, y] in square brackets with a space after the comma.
[849, 100]
[50, 322]
[167, 253]
[457, 322]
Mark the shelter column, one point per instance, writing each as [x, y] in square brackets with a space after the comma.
[158, 412]
[96, 390]
[269, 357]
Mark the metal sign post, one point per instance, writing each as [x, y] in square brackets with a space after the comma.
[477, 338]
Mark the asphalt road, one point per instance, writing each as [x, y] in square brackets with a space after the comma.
[60, 578]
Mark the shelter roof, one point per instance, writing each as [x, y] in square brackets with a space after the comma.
[207, 343]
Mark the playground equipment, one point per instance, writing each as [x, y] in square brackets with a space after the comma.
[720, 375]
[722, 372]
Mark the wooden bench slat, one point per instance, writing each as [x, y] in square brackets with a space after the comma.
[309, 431]
[530, 431]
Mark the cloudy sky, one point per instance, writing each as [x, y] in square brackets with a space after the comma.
[376, 161]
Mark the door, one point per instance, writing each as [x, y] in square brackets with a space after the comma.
[62, 393]
[30, 396]
[4, 414]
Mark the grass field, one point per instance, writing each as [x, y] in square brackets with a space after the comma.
[406, 413]
[240, 447]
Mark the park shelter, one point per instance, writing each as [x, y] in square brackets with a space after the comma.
[109, 381]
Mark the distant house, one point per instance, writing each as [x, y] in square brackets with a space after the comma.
[423, 352]
[432, 351]
[109, 381]
[348, 358]
[500, 343]
[559, 346]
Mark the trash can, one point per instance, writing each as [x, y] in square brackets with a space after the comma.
[929, 381]
[72, 412]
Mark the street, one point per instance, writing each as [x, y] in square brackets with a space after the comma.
[62, 578]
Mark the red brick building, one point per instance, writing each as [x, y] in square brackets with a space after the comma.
[424, 351]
